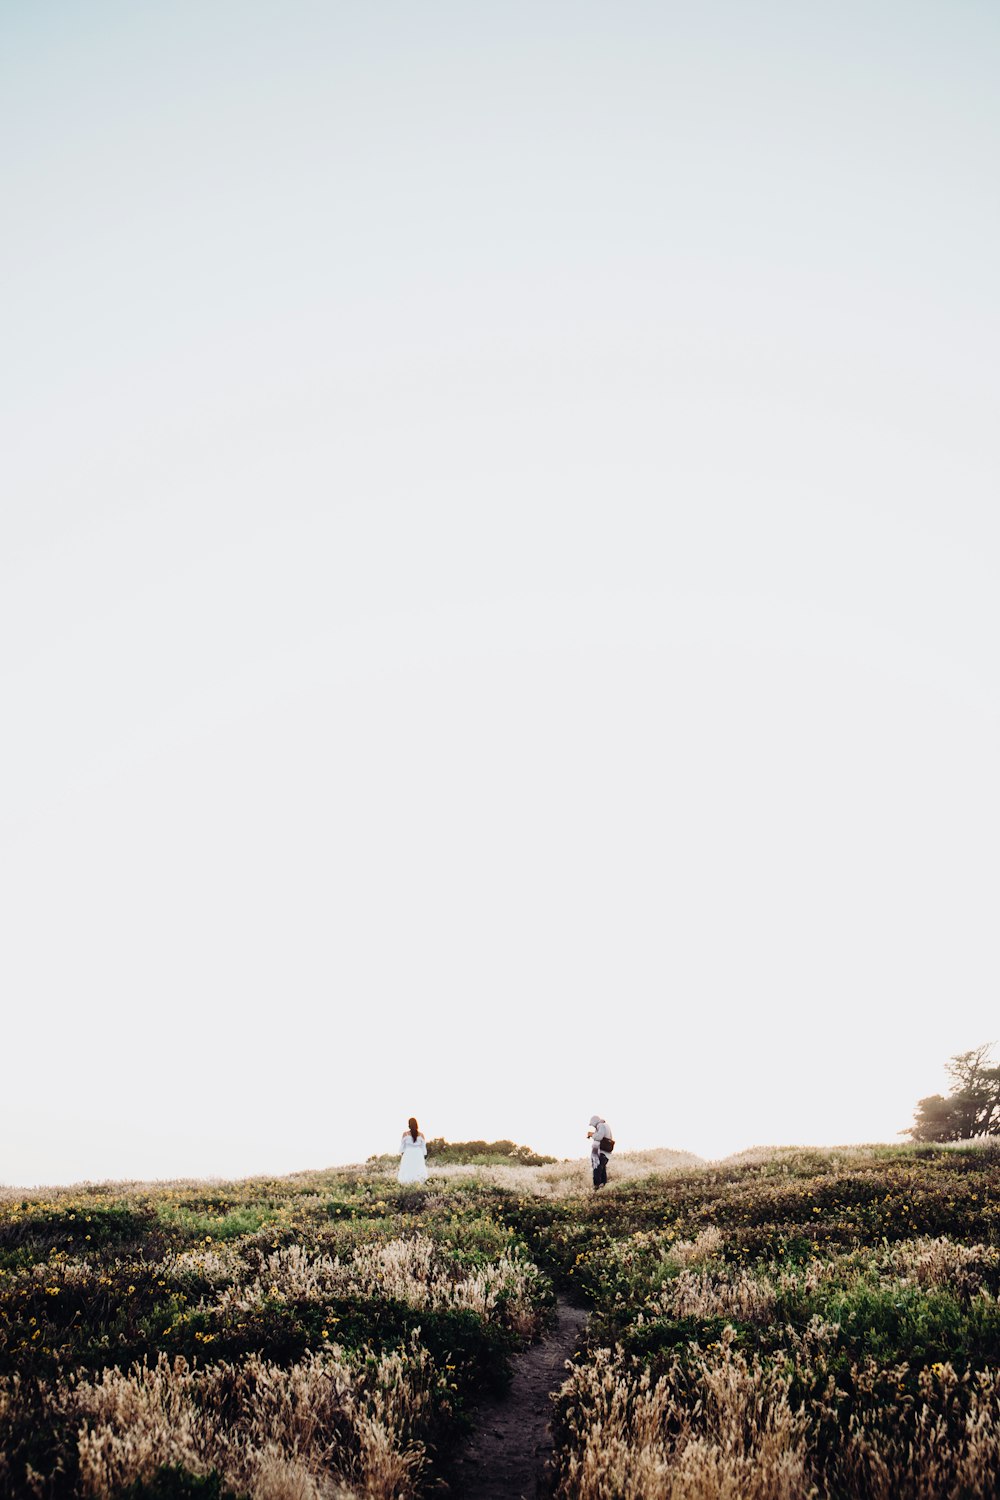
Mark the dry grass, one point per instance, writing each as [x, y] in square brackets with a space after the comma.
[718, 1421]
[320, 1430]
[327, 1428]
[720, 1425]
[412, 1271]
[332, 1425]
[946, 1447]
[565, 1179]
[560, 1179]
[720, 1428]
[793, 1156]
[848, 1278]
[941, 1262]
[697, 1252]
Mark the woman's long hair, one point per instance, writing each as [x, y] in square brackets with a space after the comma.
[413, 1127]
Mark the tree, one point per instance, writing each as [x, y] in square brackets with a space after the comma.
[972, 1109]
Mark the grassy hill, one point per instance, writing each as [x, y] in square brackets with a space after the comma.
[785, 1323]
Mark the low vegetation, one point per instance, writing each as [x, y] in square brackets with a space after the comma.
[788, 1323]
[794, 1323]
[471, 1153]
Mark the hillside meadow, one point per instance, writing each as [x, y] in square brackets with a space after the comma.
[788, 1323]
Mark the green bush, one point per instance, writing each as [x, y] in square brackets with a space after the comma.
[484, 1153]
[172, 1483]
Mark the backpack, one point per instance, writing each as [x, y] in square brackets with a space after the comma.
[606, 1145]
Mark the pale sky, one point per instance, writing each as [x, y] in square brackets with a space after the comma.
[499, 610]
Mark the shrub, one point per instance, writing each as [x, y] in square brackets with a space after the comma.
[174, 1483]
[484, 1153]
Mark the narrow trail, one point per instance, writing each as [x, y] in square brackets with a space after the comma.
[504, 1458]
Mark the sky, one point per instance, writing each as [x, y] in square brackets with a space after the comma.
[498, 575]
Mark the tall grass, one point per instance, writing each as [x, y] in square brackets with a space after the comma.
[833, 1331]
[794, 1322]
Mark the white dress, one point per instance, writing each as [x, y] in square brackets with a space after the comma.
[412, 1167]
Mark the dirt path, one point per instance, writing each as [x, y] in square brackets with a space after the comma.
[504, 1458]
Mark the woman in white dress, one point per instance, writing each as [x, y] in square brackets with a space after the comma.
[412, 1167]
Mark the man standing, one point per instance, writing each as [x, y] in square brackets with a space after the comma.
[599, 1135]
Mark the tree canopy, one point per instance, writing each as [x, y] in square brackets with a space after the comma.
[971, 1110]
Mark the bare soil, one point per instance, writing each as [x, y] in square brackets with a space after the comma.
[506, 1455]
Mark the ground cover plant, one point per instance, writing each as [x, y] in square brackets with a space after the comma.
[315, 1336]
[787, 1323]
